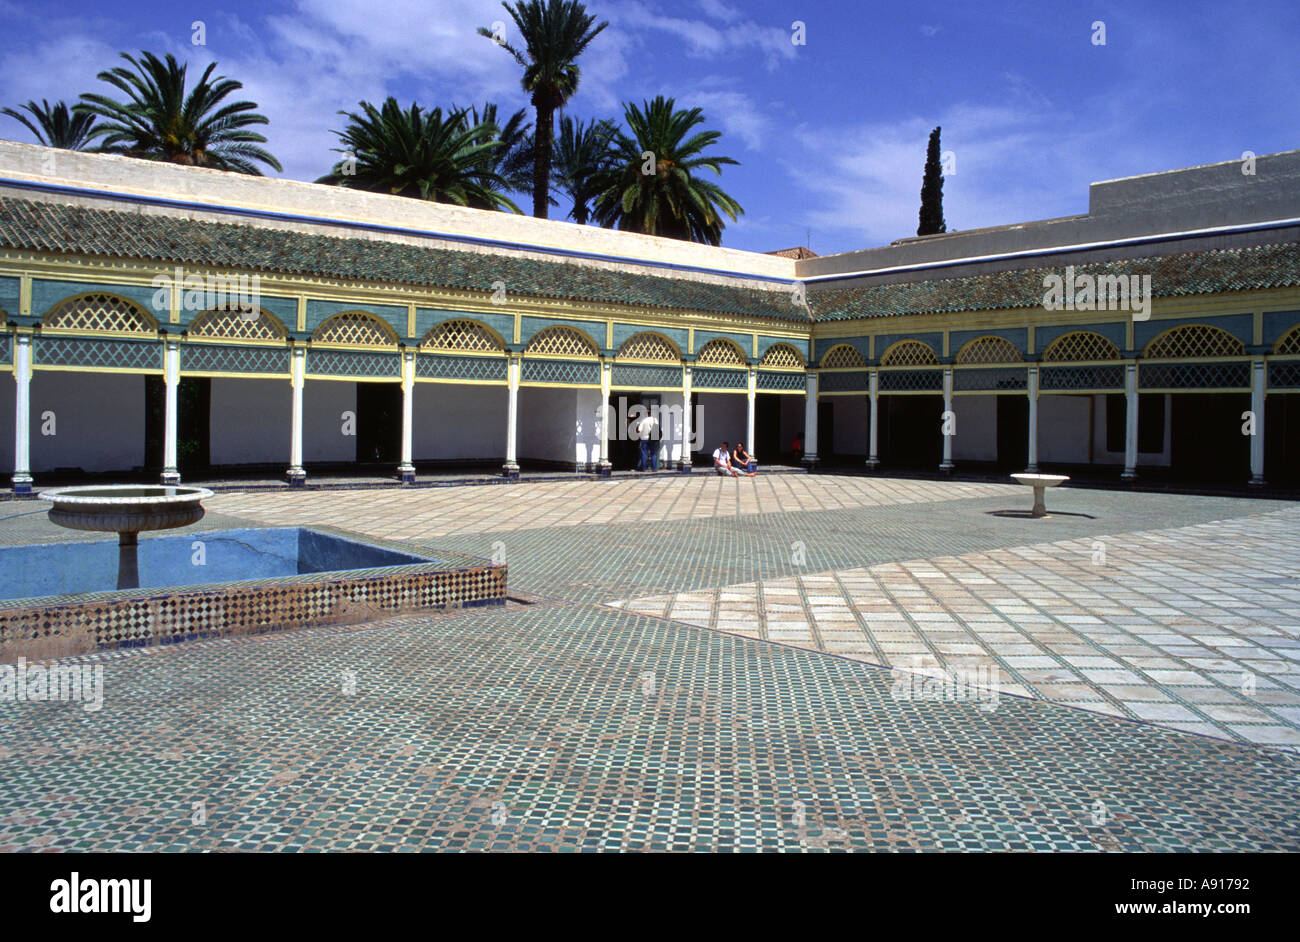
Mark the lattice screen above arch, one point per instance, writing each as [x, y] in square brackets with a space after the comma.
[562, 342]
[100, 312]
[910, 353]
[1194, 341]
[1078, 346]
[651, 347]
[355, 328]
[989, 349]
[782, 356]
[463, 335]
[843, 356]
[1289, 343]
[247, 324]
[721, 352]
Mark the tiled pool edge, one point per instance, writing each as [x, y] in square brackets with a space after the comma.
[158, 618]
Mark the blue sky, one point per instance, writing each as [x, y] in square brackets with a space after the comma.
[831, 135]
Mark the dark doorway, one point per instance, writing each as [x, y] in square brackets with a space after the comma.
[1207, 443]
[1282, 440]
[624, 447]
[193, 423]
[910, 431]
[767, 428]
[825, 431]
[1013, 433]
[379, 423]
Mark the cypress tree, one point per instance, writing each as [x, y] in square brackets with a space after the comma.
[932, 190]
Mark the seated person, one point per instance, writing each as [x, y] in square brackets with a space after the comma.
[722, 462]
[743, 459]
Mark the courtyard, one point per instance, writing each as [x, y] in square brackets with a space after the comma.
[695, 663]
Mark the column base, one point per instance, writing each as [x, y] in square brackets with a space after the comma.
[684, 466]
[604, 469]
[873, 464]
[510, 470]
[1256, 480]
[296, 477]
[946, 467]
[22, 483]
[1128, 475]
[809, 462]
[406, 473]
[1032, 469]
[170, 478]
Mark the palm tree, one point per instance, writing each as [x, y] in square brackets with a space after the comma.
[668, 200]
[159, 121]
[57, 125]
[512, 159]
[555, 33]
[582, 153]
[425, 155]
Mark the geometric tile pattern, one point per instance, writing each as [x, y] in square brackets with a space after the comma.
[782, 356]
[988, 350]
[1284, 375]
[105, 353]
[98, 312]
[569, 372]
[245, 324]
[222, 358]
[910, 353]
[646, 377]
[783, 382]
[721, 352]
[459, 334]
[720, 379]
[355, 328]
[990, 379]
[651, 347]
[842, 356]
[1193, 341]
[352, 363]
[453, 367]
[1080, 346]
[1194, 375]
[1196, 629]
[909, 380]
[1081, 377]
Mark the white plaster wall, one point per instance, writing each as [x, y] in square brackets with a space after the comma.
[977, 428]
[323, 405]
[722, 416]
[8, 391]
[459, 421]
[251, 421]
[850, 426]
[558, 424]
[98, 421]
[1064, 428]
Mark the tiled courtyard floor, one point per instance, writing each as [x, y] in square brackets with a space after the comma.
[639, 705]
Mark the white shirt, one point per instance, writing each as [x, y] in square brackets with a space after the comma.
[723, 457]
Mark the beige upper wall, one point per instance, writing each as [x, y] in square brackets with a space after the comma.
[110, 173]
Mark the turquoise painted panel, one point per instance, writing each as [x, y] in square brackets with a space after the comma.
[427, 318]
[624, 331]
[767, 343]
[1276, 324]
[9, 290]
[746, 341]
[1241, 326]
[1113, 331]
[46, 294]
[824, 345]
[318, 311]
[885, 341]
[1017, 335]
[530, 327]
[285, 310]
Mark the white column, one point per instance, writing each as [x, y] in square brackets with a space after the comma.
[171, 380]
[605, 466]
[873, 412]
[810, 422]
[688, 419]
[946, 464]
[511, 468]
[1130, 420]
[749, 418]
[1033, 417]
[22, 479]
[406, 469]
[1257, 388]
[297, 378]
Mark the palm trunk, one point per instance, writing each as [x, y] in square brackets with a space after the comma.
[545, 134]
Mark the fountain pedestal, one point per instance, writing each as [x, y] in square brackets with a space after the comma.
[126, 510]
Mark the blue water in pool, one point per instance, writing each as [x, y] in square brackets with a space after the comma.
[193, 559]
